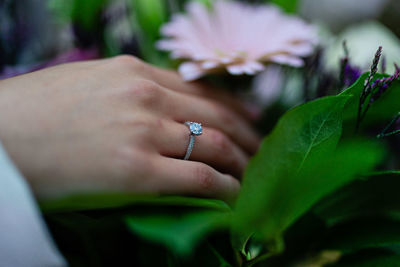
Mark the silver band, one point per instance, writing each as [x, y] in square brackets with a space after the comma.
[195, 129]
[190, 147]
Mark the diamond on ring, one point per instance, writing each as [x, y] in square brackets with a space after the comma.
[195, 129]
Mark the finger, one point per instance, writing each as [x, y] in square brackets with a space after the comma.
[212, 147]
[213, 115]
[182, 107]
[194, 178]
[173, 80]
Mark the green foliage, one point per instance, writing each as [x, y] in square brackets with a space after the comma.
[61, 9]
[85, 13]
[274, 190]
[290, 6]
[138, 228]
[366, 232]
[373, 195]
[362, 219]
[370, 259]
[382, 109]
[148, 16]
[179, 233]
[117, 200]
[205, 2]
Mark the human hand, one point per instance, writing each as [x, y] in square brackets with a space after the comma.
[116, 125]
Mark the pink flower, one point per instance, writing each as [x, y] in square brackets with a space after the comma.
[237, 37]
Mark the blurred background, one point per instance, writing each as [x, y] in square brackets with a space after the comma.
[34, 33]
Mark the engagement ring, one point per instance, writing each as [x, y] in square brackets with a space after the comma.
[195, 129]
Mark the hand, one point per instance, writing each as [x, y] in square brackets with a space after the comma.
[116, 125]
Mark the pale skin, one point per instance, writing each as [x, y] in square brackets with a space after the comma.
[116, 125]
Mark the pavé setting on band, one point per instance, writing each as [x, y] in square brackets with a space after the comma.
[195, 130]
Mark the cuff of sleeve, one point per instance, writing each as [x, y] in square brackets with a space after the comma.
[24, 240]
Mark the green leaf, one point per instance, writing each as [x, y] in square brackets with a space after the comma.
[297, 165]
[147, 17]
[180, 234]
[207, 3]
[365, 232]
[303, 134]
[222, 262]
[370, 258]
[105, 201]
[87, 13]
[303, 235]
[61, 9]
[363, 214]
[382, 110]
[373, 195]
[101, 238]
[290, 6]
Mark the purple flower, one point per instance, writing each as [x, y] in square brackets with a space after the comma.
[350, 74]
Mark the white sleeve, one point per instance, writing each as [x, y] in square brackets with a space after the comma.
[24, 239]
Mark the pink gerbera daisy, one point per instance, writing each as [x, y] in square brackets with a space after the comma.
[237, 37]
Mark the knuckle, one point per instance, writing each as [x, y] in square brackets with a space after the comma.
[146, 92]
[224, 114]
[234, 162]
[132, 63]
[220, 141]
[205, 177]
[151, 128]
[145, 128]
[141, 125]
[134, 162]
[126, 61]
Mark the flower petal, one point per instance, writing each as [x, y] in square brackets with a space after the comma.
[287, 60]
[190, 71]
[250, 68]
[209, 65]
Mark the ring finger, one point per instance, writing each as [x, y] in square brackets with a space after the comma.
[212, 147]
